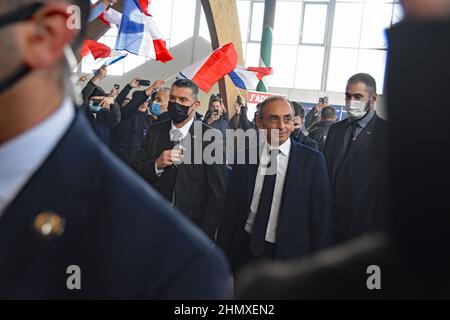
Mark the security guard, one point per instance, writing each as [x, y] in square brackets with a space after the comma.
[74, 221]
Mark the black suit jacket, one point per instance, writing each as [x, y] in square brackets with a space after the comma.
[126, 240]
[305, 212]
[359, 182]
[319, 133]
[305, 140]
[128, 136]
[199, 188]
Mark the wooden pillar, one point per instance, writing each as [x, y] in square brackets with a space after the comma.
[223, 24]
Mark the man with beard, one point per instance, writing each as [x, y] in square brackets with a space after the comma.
[355, 151]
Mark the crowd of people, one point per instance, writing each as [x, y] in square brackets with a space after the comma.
[328, 185]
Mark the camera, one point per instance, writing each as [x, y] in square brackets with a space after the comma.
[145, 83]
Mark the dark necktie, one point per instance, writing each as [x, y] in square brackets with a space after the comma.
[349, 135]
[259, 229]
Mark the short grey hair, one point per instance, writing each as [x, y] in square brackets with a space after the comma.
[164, 89]
[271, 99]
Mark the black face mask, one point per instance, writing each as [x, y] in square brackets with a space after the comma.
[296, 132]
[177, 112]
[19, 15]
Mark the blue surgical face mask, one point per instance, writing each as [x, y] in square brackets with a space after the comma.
[156, 108]
[94, 106]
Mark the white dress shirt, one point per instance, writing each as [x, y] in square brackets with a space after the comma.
[184, 130]
[282, 165]
[23, 155]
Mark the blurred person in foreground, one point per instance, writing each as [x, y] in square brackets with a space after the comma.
[75, 223]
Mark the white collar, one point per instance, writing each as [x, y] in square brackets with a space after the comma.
[23, 155]
[284, 148]
[184, 129]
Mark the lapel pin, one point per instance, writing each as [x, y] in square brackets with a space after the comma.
[369, 132]
[49, 225]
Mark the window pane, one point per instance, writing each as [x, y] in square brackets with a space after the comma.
[286, 29]
[314, 23]
[243, 8]
[257, 21]
[204, 31]
[347, 25]
[244, 49]
[343, 63]
[109, 41]
[162, 12]
[373, 62]
[283, 59]
[309, 67]
[132, 61]
[116, 69]
[377, 17]
[398, 13]
[182, 21]
[252, 54]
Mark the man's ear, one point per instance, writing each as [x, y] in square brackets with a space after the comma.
[258, 121]
[197, 104]
[46, 35]
[373, 99]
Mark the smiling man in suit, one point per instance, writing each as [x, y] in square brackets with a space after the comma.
[279, 207]
[75, 222]
[355, 151]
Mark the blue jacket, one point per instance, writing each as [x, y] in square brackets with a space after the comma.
[126, 239]
[305, 214]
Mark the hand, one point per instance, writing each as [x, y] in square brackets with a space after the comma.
[105, 102]
[426, 9]
[238, 108]
[135, 83]
[168, 157]
[156, 85]
[114, 92]
[213, 117]
[222, 109]
[83, 79]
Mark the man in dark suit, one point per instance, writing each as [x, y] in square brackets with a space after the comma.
[320, 131]
[75, 223]
[278, 207]
[128, 136]
[101, 109]
[173, 160]
[356, 153]
[413, 258]
[297, 133]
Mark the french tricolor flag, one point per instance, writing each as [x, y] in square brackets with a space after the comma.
[111, 18]
[96, 54]
[207, 71]
[248, 78]
[139, 34]
[96, 49]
